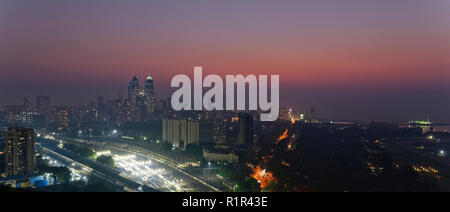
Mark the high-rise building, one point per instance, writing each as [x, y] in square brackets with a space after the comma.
[245, 135]
[117, 111]
[2, 139]
[220, 132]
[126, 111]
[43, 104]
[164, 106]
[19, 151]
[137, 99]
[171, 131]
[91, 113]
[150, 98]
[133, 93]
[63, 117]
[181, 133]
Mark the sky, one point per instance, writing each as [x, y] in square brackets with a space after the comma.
[349, 59]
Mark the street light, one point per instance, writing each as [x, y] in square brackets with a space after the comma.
[442, 153]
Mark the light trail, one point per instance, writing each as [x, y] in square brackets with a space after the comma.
[168, 163]
[108, 176]
[146, 172]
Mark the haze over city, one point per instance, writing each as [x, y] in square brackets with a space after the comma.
[380, 60]
[318, 96]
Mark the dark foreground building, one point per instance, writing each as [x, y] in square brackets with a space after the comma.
[245, 135]
[19, 151]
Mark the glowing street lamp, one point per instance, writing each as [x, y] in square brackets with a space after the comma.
[442, 153]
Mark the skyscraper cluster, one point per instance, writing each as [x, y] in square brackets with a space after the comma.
[141, 102]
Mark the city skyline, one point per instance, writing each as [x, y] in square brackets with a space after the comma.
[360, 61]
[122, 93]
[219, 99]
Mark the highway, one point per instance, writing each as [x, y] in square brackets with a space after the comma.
[146, 172]
[106, 173]
[197, 183]
[160, 159]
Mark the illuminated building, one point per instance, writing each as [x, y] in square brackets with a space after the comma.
[220, 132]
[19, 114]
[426, 126]
[164, 107]
[117, 111]
[284, 114]
[220, 154]
[62, 117]
[2, 140]
[301, 116]
[126, 111]
[171, 131]
[91, 113]
[134, 90]
[19, 152]
[180, 133]
[26, 117]
[150, 98]
[143, 101]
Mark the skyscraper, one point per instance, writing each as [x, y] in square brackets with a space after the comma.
[19, 151]
[150, 99]
[134, 90]
[63, 117]
[245, 135]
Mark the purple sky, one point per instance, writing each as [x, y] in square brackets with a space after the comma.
[350, 59]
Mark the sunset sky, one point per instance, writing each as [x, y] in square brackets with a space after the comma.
[349, 59]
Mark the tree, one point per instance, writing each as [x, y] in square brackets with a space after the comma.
[61, 173]
[249, 185]
[86, 152]
[107, 160]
